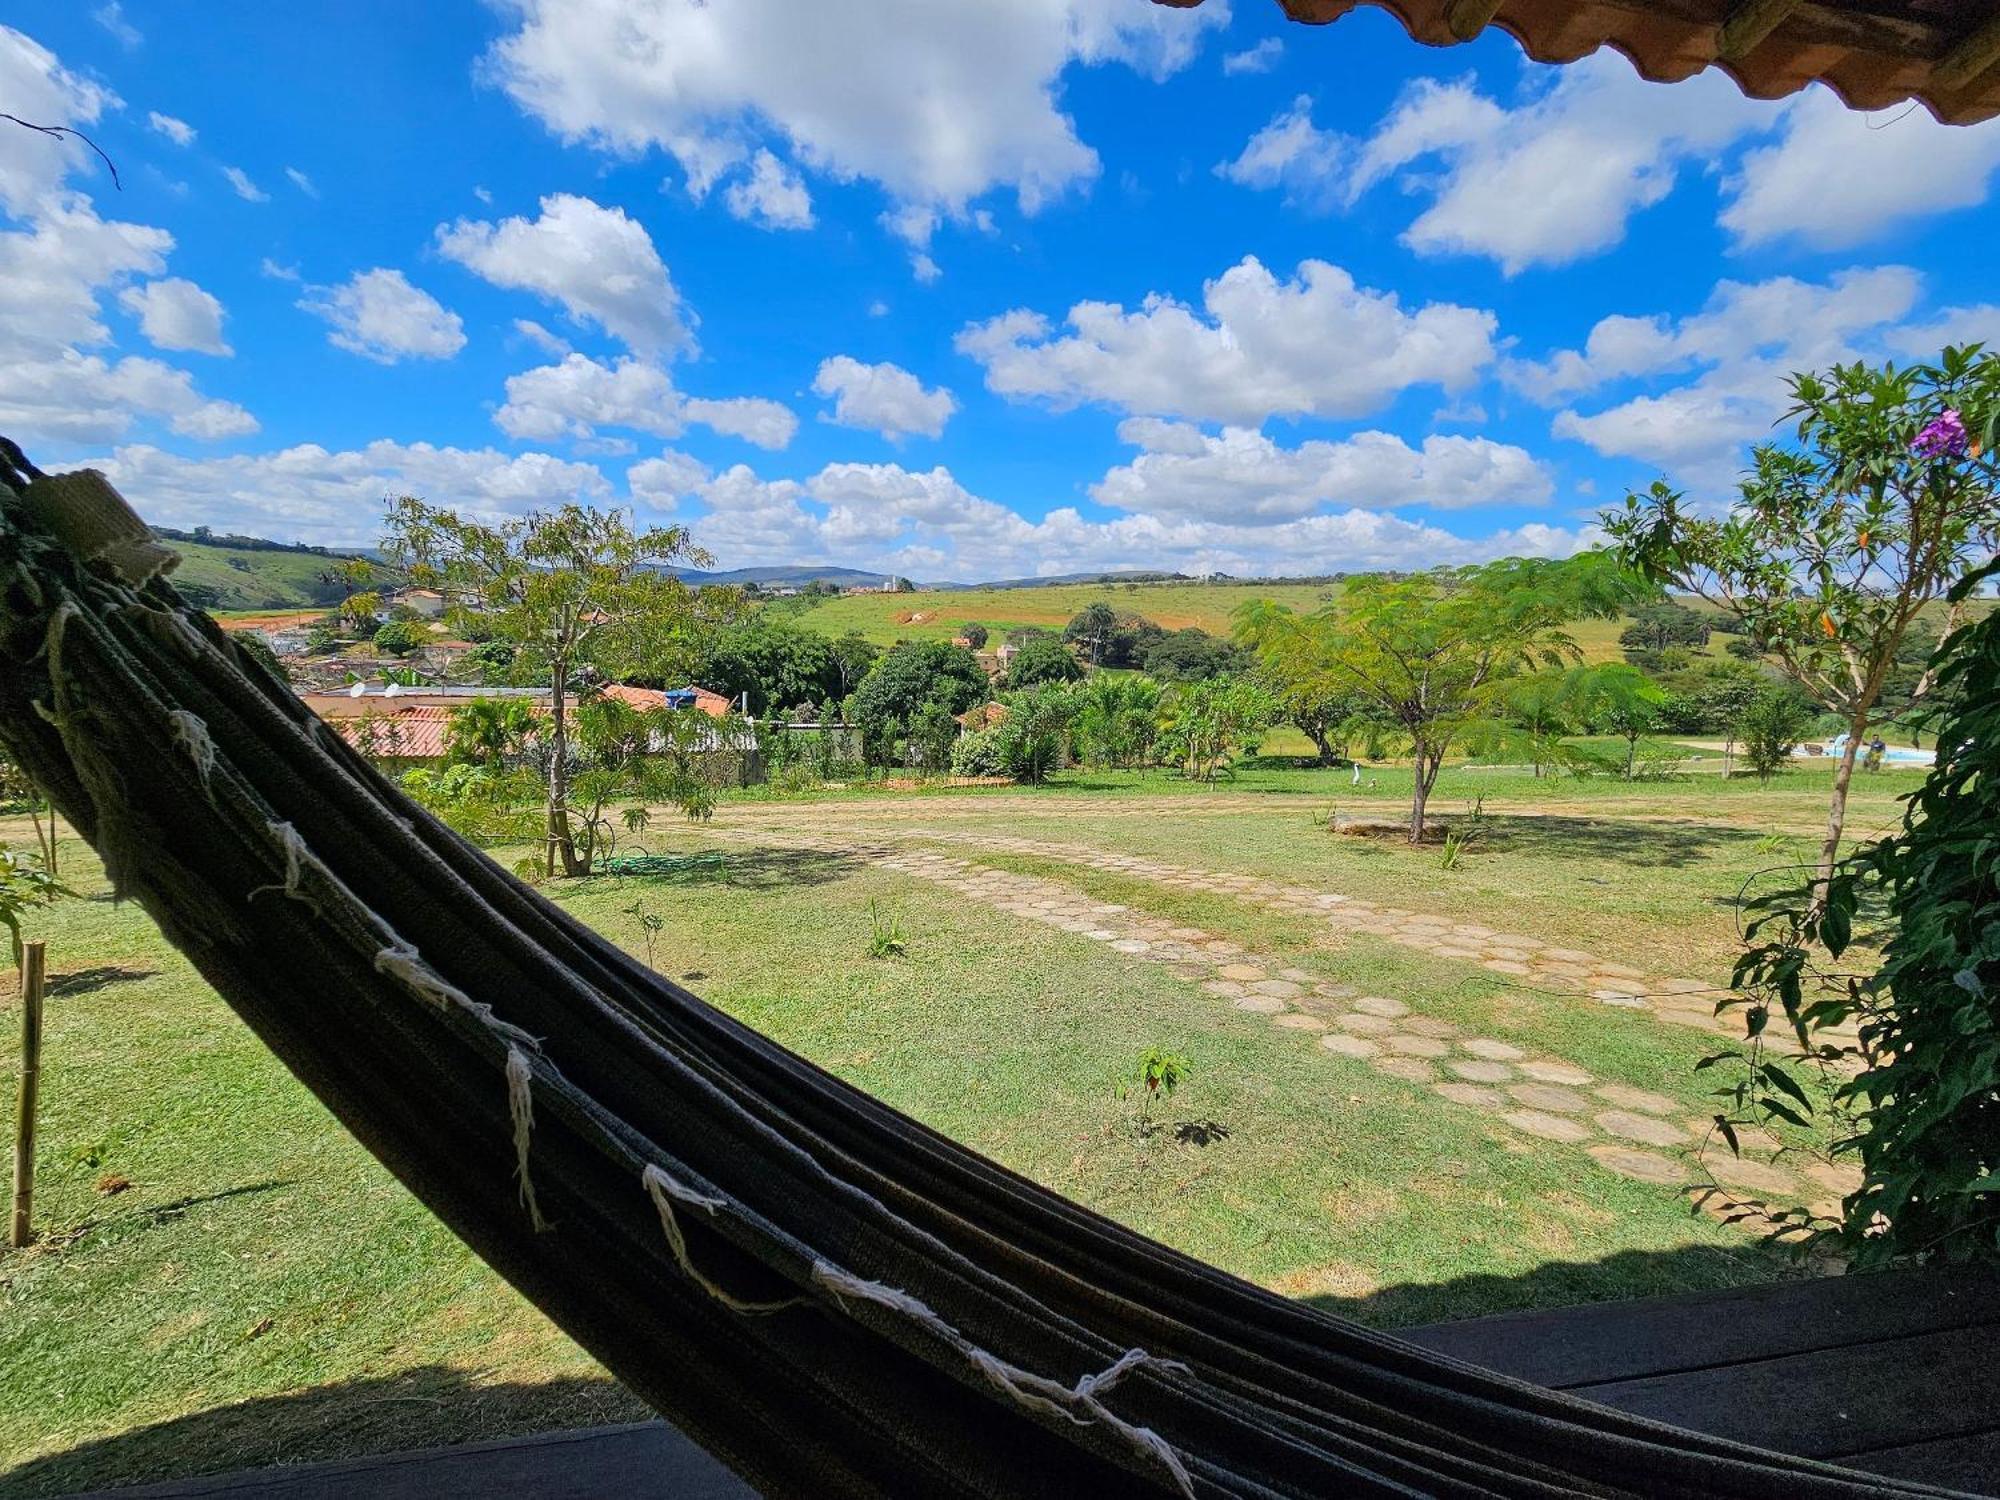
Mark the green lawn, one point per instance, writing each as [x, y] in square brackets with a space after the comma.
[263, 1291]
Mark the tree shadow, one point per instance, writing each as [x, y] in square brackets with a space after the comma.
[1619, 1277]
[162, 1213]
[1649, 845]
[773, 868]
[103, 976]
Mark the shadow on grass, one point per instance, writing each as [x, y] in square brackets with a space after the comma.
[1615, 1278]
[1656, 845]
[425, 1407]
[102, 977]
[775, 868]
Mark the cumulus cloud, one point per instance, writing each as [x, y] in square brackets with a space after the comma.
[1243, 477]
[1295, 156]
[176, 314]
[597, 263]
[1559, 176]
[662, 482]
[38, 87]
[111, 16]
[178, 131]
[1317, 344]
[937, 104]
[248, 191]
[1729, 362]
[378, 315]
[579, 396]
[882, 398]
[310, 494]
[1836, 178]
[541, 338]
[1258, 59]
[773, 196]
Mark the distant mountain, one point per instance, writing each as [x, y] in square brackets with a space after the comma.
[1100, 575]
[794, 576]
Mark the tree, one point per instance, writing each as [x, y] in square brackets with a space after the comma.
[1117, 719]
[1430, 652]
[1042, 658]
[853, 655]
[1664, 623]
[1191, 654]
[1030, 741]
[1204, 723]
[908, 676]
[1621, 698]
[1840, 538]
[17, 789]
[1770, 727]
[775, 662]
[973, 634]
[489, 732]
[1543, 706]
[399, 638]
[1090, 630]
[576, 591]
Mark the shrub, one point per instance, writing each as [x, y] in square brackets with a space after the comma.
[1771, 728]
[399, 638]
[978, 754]
[973, 634]
[1042, 658]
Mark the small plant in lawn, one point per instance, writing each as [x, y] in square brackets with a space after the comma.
[1455, 842]
[1159, 1073]
[886, 940]
[651, 923]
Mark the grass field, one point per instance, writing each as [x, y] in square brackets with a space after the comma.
[263, 1291]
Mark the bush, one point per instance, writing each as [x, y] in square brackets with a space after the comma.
[1771, 728]
[978, 754]
[1042, 659]
[399, 638]
[973, 634]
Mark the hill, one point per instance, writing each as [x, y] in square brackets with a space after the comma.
[797, 576]
[222, 574]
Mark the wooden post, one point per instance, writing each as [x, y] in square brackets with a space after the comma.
[34, 971]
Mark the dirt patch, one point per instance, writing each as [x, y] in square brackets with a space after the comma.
[1337, 1278]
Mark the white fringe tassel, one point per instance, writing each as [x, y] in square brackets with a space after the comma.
[1078, 1403]
[521, 1108]
[191, 734]
[402, 962]
[665, 1191]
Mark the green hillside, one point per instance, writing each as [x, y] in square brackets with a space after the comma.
[936, 614]
[234, 578]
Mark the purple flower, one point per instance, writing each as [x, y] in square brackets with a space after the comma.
[1943, 438]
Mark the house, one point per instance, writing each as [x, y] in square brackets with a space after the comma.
[985, 716]
[427, 604]
[713, 704]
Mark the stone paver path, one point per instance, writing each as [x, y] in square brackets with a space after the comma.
[1631, 1132]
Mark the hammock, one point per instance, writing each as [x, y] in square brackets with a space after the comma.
[828, 1296]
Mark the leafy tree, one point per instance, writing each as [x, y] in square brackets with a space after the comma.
[1032, 739]
[973, 634]
[489, 732]
[934, 729]
[399, 638]
[17, 790]
[1431, 652]
[853, 655]
[641, 756]
[1042, 658]
[1771, 726]
[1117, 719]
[1664, 623]
[1090, 630]
[1543, 706]
[25, 883]
[1840, 538]
[575, 591]
[1204, 723]
[1190, 655]
[1621, 698]
[772, 660]
[908, 676]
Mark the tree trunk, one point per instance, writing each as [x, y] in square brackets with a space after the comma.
[1319, 739]
[561, 841]
[1420, 792]
[1631, 754]
[1836, 811]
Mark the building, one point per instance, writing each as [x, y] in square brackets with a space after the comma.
[427, 604]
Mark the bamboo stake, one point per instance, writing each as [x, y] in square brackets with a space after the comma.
[34, 970]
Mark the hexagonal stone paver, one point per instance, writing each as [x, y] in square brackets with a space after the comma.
[1381, 1005]
[1755, 1176]
[1366, 1025]
[1348, 1046]
[1429, 1026]
[1480, 1070]
[1131, 945]
[1644, 1165]
[1299, 1021]
[1265, 1005]
[1227, 988]
[1641, 1128]
[1409, 1069]
[1638, 1099]
[1470, 1094]
[1244, 973]
[1504, 966]
[1284, 989]
[1550, 1097]
[1492, 1051]
[1548, 1070]
[1415, 1046]
[1548, 1127]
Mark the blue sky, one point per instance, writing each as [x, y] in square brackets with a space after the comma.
[960, 291]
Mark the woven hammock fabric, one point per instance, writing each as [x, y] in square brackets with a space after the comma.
[830, 1297]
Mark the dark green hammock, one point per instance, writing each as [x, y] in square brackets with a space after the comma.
[828, 1296]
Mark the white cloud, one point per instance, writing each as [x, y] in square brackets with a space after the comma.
[111, 16]
[772, 196]
[178, 131]
[878, 309]
[176, 314]
[245, 189]
[549, 343]
[1292, 154]
[882, 398]
[37, 87]
[927, 525]
[1922, 342]
[664, 481]
[1739, 348]
[1558, 177]
[302, 182]
[1317, 345]
[1258, 59]
[937, 103]
[1836, 178]
[272, 270]
[378, 315]
[579, 395]
[1245, 478]
[309, 494]
[85, 398]
[596, 262]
